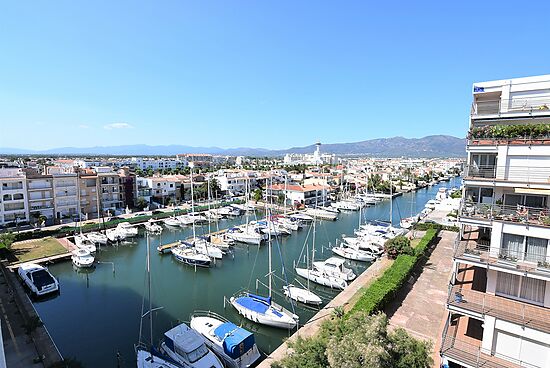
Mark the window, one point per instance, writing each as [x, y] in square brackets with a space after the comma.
[519, 247]
[521, 287]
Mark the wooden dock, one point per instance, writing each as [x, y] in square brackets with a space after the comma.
[165, 248]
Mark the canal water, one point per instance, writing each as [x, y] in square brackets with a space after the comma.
[95, 318]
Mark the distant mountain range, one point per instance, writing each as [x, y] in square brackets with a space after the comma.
[430, 146]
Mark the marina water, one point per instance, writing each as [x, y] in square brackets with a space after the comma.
[95, 319]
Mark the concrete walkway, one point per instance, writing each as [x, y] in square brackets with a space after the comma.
[420, 306]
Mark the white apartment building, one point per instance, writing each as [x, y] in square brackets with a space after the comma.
[499, 297]
[299, 195]
[110, 198]
[13, 197]
[40, 196]
[65, 188]
[236, 182]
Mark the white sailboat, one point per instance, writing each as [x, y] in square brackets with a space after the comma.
[262, 309]
[301, 295]
[353, 254]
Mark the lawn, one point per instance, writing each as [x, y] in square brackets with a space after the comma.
[39, 248]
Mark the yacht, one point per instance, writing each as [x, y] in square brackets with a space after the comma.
[172, 222]
[190, 256]
[322, 214]
[336, 267]
[249, 236]
[153, 228]
[263, 310]
[97, 238]
[204, 247]
[187, 348]
[114, 235]
[301, 295]
[82, 258]
[82, 242]
[127, 230]
[353, 254]
[233, 344]
[38, 279]
[301, 217]
[321, 277]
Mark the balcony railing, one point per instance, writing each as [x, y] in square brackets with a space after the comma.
[518, 214]
[514, 106]
[480, 251]
[505, 309]
[523, 174]
[473, 355]
[40, 187]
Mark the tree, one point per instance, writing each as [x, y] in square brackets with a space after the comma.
[257, 195]
[141, 203]
[398, 245]
[407, 351]
[6, 240]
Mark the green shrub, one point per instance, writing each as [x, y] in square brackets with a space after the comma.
[398, 245]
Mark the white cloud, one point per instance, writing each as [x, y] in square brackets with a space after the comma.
[83, 126]
[118, 126]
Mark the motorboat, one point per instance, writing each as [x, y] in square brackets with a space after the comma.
[353, 254]
[321, 277]
[153, 359]
[263, 310]
[172, 221]
[301, 295]
[233, 344]
[408, 222]
[127, 230]
[213, 215]
[38, 279]
[229, 211]
[221, 242]
[335, 267]
[187, 348]
[97, 238]
[249, 236]
[301, 217]
[82, 258]
[431, 204]
[273, 228]
[190, 256]
[114, 235]
[185, 220]
[345, 205]
[322, 214]
[82, 242]
[290, 223]
[364, 243]
[152, 227]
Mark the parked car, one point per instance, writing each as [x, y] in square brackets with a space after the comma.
[38, 279]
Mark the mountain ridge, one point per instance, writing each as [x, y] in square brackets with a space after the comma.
[429, 146]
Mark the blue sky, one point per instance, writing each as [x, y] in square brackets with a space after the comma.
[271, 74]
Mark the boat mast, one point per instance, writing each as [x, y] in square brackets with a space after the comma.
[191, 165]
[209, 214]
[268, 232]
[149, 293]
[391, 202]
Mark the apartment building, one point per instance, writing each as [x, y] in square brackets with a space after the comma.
[298, 195]
[13, 197]
[65, 191]
[110, 198]
[499, 295]
[235, 182]
[40, 197]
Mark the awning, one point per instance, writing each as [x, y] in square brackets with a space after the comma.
[532, 191]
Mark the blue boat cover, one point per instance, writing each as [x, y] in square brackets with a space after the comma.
[253, 304]
[266, 299]
[236, 340]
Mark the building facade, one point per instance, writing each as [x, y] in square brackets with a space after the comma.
[499, 295]
[13, 197]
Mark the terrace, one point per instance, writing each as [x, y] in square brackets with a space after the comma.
[539, 216]
[475, 249]
[494, 108]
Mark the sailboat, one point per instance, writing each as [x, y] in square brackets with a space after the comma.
[262, 309]
[146, 355]
[187, 253]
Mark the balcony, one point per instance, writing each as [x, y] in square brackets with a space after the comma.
[478, 251]
[41, 207]
[525, 175]
[65, 185]
[510, 108]
[39, 187]
[479, 304]
[12, 188]
[538, 216]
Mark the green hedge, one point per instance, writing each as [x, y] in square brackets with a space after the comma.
[424, 226]
[511, 131]
[378, 295]
[68, 230]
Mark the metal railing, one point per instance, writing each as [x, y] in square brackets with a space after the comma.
[475, 356]
[509, 310]
[511, 106]
[524, 174]
[482, 251]
[518, 214]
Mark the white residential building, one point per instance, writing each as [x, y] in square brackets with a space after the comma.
[299, 195]
[13, 196]
[499, 298]
[40, 196]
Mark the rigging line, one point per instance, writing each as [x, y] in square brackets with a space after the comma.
[253, 267]
[305, 243]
